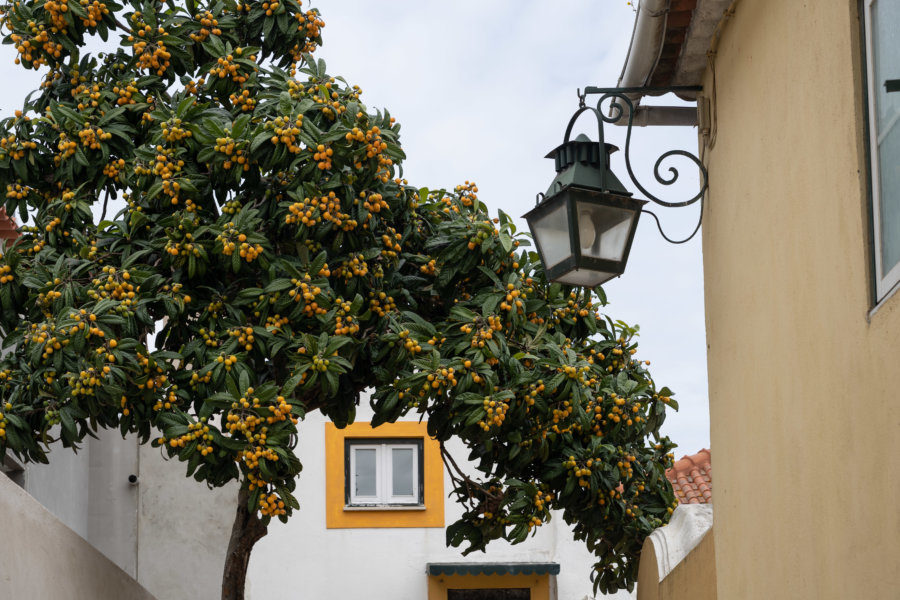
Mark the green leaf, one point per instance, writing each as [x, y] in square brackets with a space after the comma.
[110, 116]
[290, 385]
[285, 104]
[334, 344]
[214, 46]
[278, 285]
[68, 423]
[80, 157]
[259, 140]
[317, 264]
[240, 124]
[70, 114]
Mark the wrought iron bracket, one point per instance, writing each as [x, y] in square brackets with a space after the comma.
[622, 107]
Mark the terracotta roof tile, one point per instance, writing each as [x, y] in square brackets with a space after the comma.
[7, 227]
[691, 478]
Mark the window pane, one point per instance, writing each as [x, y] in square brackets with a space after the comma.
[886, 50]
[402, 472]
[889, 169]
[364, 472]
[886, 47]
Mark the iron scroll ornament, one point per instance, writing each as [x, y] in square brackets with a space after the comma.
[617, 113]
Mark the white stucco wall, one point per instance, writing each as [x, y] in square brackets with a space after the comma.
[62, 486]
[171, 532]
[113, 501]
[183, 530]
[302, 559]
[166, 531]
[41, 558]
[89, 492]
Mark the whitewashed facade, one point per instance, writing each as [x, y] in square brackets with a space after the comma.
[170, 533]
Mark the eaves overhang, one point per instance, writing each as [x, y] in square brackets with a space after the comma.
[670, 43]
[499, 568]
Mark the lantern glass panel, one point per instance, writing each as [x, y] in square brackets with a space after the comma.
[551, 231]
[585, 277]
[603, 230]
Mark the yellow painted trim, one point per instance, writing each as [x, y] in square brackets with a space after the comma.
[338, 518]
[439, 584]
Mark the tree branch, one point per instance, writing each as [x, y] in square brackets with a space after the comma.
[246, 531]
[445, 456]
[105, 203]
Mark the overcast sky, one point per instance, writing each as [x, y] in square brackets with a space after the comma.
[483, 91]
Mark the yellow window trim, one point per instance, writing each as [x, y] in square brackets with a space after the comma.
[336, 517]
[438, 585]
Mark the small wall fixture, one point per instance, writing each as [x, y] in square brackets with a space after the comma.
[585, 222]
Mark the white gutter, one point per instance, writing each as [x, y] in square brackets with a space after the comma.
[646, 44]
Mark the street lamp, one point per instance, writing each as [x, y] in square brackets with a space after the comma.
[585, 222]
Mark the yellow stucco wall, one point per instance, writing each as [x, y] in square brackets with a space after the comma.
[805, 421]
[438, 585]
[694, 578]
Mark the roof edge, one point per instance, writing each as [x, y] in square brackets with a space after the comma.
[670, 45]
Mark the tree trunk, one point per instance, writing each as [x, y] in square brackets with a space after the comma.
[245, 532]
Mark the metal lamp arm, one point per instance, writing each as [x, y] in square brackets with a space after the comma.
[617, 112]
[663, 233]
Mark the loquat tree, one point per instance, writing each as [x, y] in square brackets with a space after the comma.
[269, 241]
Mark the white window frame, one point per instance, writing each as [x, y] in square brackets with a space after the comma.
[885, 282]
[384, 496]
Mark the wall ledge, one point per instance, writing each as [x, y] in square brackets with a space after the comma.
[36, 544]
[674, 542]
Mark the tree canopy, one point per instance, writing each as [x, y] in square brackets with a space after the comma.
[269, 241]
